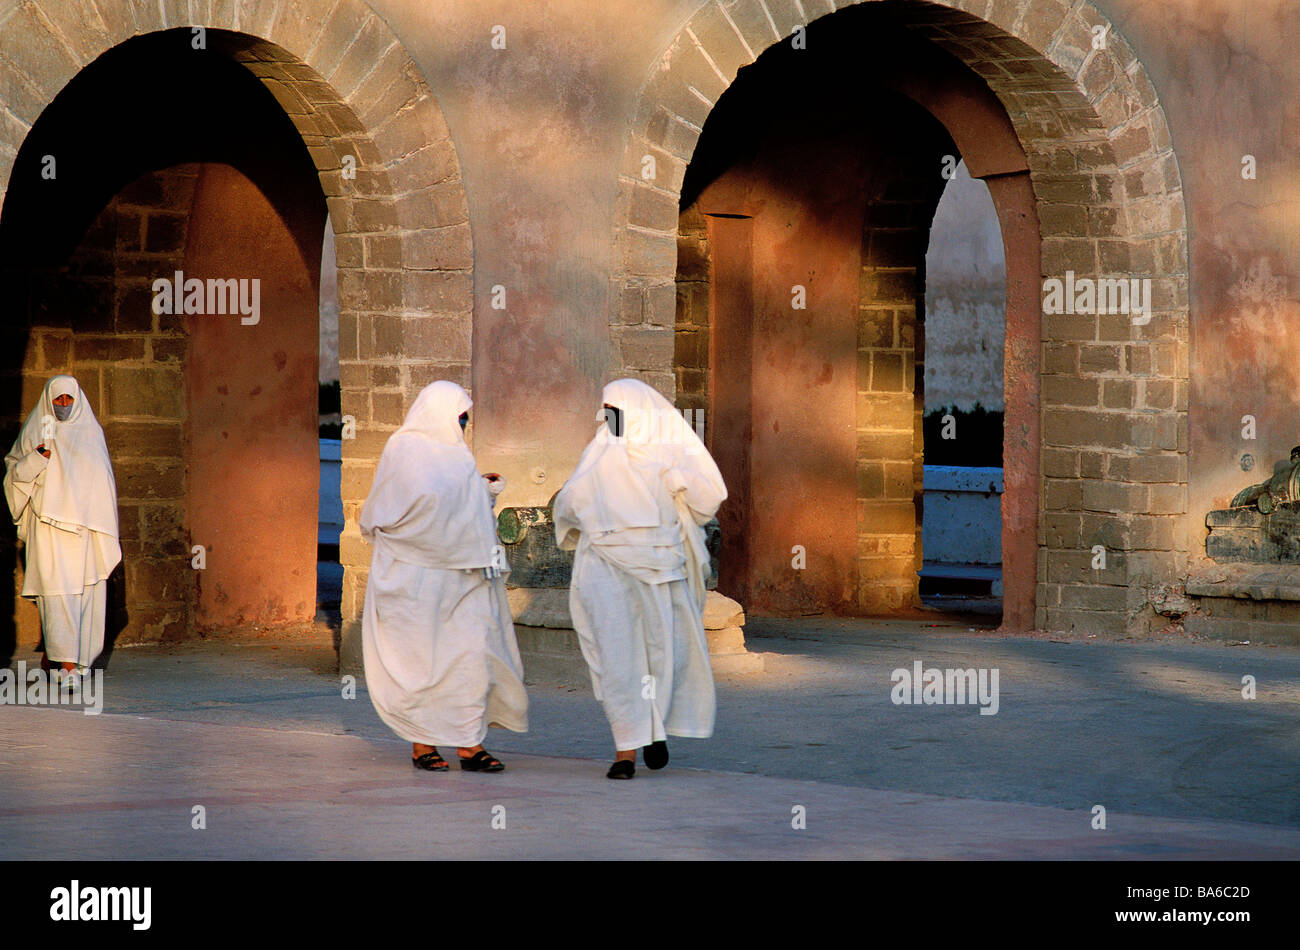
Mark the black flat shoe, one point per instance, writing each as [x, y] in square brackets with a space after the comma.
[430, 762]
[481, 761]
[655, 755]
[623, 768]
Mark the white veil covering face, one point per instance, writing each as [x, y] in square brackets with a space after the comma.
[610, 490]
[617, 484]
[428, 505]
[77, 491]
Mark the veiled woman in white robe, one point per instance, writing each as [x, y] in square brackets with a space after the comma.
[65, 510]
[438, 638]
[633, 511]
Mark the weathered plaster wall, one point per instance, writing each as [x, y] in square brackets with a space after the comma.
[1204, 34]
[253, 452]
[329, 308]
[804, 193]
[1229, 79]
[541, 126]
[965, 298]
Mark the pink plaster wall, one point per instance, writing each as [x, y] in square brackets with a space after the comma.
[253, 451]
[794, 477]
[1229, 80]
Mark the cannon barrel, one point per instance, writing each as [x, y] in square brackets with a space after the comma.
[528, 534]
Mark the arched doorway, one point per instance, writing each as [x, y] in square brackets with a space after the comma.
[1077, 157]
[357, 131]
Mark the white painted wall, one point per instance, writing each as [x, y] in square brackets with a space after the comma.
[329, 308]
[965, 299]
[963, 515]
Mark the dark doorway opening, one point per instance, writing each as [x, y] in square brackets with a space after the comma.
[168, 160]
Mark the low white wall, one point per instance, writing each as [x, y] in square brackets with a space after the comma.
[962, 520]
[331, 498]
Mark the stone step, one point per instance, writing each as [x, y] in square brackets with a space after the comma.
[1241, 624]
[571, 668]
[553, 641]
[549, 607]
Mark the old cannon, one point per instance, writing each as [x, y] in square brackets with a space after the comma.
[1283, 486]
[528, 534]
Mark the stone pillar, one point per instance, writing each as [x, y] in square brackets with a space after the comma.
[731, 305]
[1013, 198]
[891, 400]
[691, 333]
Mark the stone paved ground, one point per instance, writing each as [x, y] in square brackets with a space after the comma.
[258, 733]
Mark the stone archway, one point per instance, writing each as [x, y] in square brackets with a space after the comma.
[1110, 471]
[386, 165]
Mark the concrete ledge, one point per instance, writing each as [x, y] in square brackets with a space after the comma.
[1245, 601]
[1222, 625]
[549, 607]
[1244, 535]
[721, 612]
[736, 663]
[963, 515]
[1245, 581]
[540, 607]
[726, 640]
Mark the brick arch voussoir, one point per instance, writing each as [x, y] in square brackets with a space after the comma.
[1086, 113]
[42, 47]
[334, 67]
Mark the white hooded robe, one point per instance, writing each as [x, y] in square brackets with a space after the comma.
[65, 510]
[634, 510]
[438, 639]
